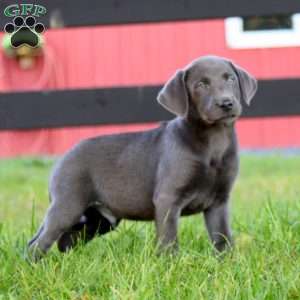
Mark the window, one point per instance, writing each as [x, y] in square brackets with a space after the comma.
[263, 31]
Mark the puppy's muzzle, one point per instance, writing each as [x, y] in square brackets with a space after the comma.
[226, 104]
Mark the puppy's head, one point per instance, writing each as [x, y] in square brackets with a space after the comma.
[210, 88]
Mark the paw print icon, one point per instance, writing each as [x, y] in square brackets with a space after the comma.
[24, 31]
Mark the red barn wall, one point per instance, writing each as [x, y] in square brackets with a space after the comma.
[133, 55]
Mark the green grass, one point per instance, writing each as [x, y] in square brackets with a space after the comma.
[265, 263]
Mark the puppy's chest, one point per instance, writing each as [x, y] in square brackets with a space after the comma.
[200, 190]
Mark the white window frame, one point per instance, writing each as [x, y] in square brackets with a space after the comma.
[237, 38]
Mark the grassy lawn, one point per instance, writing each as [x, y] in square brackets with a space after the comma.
[265, 263]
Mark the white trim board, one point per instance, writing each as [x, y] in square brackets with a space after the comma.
[237, 38]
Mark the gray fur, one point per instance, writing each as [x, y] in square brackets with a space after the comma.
[186, 166]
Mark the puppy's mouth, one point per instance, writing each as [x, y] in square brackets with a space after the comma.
[224, 119]
[229, 117]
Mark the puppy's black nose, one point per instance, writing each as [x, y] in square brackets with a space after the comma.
[226, 104]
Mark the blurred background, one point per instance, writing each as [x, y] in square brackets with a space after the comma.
[99, 65]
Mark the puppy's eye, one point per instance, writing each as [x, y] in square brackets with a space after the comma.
[203, 83]
[228, 78]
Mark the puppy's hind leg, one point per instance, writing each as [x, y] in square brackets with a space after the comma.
[62, 214]
[92, 223]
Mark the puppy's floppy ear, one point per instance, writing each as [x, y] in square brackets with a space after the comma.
[173, 96]
[247, 83]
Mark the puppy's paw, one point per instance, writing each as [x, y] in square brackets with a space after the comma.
[171, 249]
[34, 253]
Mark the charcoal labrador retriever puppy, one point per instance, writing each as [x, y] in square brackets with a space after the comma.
[186, 166]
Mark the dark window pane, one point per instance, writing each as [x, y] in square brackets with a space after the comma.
[267, 22]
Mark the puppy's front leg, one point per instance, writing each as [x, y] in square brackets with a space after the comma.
[166, 218]
[217, 224]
